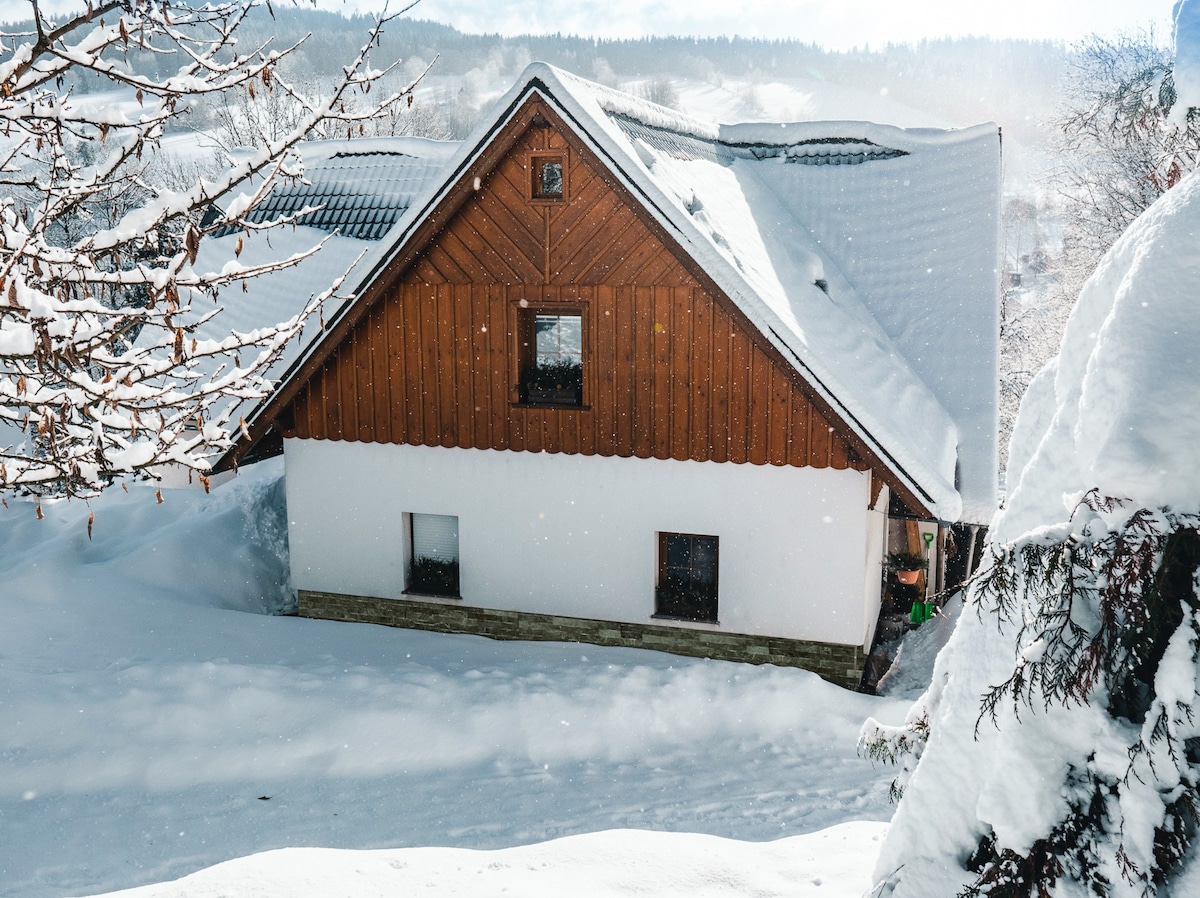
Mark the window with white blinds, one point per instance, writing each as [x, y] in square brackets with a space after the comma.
[435, 536]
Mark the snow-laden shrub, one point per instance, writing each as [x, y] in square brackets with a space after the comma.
[1104, 611]
[1109, 615]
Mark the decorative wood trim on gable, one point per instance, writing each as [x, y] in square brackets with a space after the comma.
[673, 369]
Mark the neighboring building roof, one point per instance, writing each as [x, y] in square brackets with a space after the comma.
[358, 188]
[867, 254]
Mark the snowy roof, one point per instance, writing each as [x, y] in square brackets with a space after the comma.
[866, 254]
[361, 186]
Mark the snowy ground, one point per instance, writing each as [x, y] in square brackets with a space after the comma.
[156, 722]
[832, 862]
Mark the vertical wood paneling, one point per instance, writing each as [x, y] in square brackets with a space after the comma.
[331, 399]
[431, 431]
[446, 405]
[398, 395]
[380, 378]
[739, 397]
[718, 380]
[605, 387]
[464, 359]
[348, 392]
[479, 348]
[700, 444]
[661, 407]
[818, 436]
[778, 429]
[760, 401]
[839, 453]
[624, 381]
[801, 411]
[643, 400]
[680, 376]
[364, 383]
[587, 423]
[499, 349]
[670, 370]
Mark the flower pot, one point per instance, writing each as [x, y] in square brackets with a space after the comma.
[908, 577]
[930, 609]
[917, 615]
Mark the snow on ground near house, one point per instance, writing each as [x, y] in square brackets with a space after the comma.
[620, 862]
[156, 723]
[914, 654]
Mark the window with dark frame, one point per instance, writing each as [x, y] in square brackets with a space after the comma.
[551, 357]
[548, 177]
[433, 568]
[687, 577]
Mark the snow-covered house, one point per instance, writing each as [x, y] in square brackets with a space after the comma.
[620, 376]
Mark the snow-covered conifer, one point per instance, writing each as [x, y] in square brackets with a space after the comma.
[1057, 752]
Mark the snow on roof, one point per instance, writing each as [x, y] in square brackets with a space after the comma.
[362, 186]
[274, 297]
[867, 254]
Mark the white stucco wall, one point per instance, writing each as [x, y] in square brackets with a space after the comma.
[873, 563]
[576, 535]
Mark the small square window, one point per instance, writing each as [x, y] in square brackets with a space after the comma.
[433, 564]
[548, 177]
[551, 358]
[687, 577]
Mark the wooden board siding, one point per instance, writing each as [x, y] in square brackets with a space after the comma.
[433, 365]
[671, 368]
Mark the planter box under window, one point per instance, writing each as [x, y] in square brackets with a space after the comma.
[684, 603]
[434, 577]
[537, 395]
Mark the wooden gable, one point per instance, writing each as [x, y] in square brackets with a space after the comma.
[669, 370]
[428, 354]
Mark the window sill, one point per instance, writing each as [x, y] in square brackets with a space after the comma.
[685, 620]
[559, 405]
[425, 594]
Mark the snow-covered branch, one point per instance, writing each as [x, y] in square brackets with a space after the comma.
[102, 371]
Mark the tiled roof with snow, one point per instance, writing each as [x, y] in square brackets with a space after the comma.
[867, 254]
[359, 188]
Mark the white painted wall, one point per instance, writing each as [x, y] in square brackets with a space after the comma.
[576, 535]
[873, 564]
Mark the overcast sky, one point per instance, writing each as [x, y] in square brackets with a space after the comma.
[836, 24]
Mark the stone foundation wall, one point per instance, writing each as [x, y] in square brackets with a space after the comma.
[841, 664]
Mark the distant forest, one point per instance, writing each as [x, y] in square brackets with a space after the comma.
[965, 79]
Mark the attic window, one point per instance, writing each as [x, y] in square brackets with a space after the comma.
[551, 356]
[549, 177]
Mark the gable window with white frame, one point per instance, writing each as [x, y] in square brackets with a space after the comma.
[687, 577]
[433, 555]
